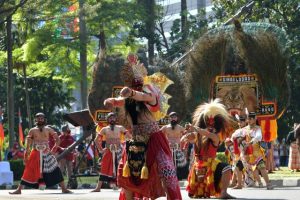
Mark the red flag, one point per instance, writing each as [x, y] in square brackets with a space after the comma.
[21, 135]
[1, 130]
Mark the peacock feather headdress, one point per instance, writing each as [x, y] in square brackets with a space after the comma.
[133, 70]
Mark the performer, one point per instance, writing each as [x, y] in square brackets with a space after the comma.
[147, 158]
[112, 135]
[66, 140]
[41, 166]
[236, 164]
[208, 176]
[253, 136]
[174, 132]
[241, 164]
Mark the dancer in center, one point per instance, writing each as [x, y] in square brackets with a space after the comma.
[208, 176]
[146, 168]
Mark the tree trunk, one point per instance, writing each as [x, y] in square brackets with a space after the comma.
[10, 84]
[83, 55]
[150, 27]
[184, 20]
[162, 32]
[27, 96]
[102, 42]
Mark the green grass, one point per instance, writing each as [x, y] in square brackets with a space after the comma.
[284, 172]
[87, 180]
[80, 180]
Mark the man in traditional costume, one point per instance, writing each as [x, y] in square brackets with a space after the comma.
[174, 132]
[41, 167]
[208, 176]
[241, 165]
[255, 153]
[146, 168]
[236, 164]
[113, 135]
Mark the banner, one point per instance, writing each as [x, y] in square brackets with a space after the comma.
[267, 121]
[21, 134]
[238, 92]
[1, 130]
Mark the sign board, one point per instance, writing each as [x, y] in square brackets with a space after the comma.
[100, 115]
[164, 121]
[116, 91]
[238, 92]
[268, 109]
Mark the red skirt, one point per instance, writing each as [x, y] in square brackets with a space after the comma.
[31, 174]
[161, 168]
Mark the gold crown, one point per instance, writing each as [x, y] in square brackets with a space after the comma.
[132, 69]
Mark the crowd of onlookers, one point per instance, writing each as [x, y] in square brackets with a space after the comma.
[284, 152]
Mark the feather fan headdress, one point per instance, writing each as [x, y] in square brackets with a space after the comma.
[132, 70]
[210, 110]
[213, 114]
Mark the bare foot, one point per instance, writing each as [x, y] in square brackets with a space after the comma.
[237, 187]
[15, 192]
[96, 190]
[66, 191]
[226, 196]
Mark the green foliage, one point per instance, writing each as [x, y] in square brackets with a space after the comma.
[17, 167]
[196, 26]
[222, 157]
[115, 19]
[46, 95]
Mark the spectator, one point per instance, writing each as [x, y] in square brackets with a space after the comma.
[15, 153]
[270, 157]
[294, 156]
[66, 140]
[276, 154]
[284, 153]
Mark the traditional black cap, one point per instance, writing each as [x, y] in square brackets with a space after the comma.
[173, 114]
[110, 114]
[242, 118]
[40, 114]
[64, 128]
[252, 114]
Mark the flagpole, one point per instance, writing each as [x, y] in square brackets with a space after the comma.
[1, 134]
[21, 134]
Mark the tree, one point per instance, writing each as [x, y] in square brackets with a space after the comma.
[47, 95]
[83, 54]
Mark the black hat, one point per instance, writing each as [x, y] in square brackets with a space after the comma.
[252, 114]
[173, 114]
[110, 114]
[40, 114]
[64, 128]
[242, 118]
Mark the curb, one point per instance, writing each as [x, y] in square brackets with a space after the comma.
[287, 182]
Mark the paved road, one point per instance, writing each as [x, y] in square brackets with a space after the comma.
[289, 193]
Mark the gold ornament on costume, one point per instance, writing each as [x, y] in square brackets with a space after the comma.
[132, 69]
[161, 82]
